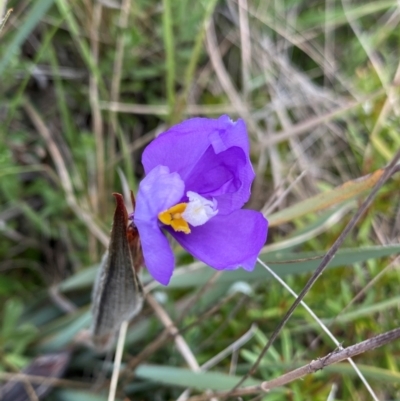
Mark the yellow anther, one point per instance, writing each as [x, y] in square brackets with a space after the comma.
[173, 217]
[180, 225]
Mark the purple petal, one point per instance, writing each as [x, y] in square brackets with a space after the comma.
[190, 139]
[226, 176]
[158, 191]
[158, 256]
[227, 242]
[235, 134]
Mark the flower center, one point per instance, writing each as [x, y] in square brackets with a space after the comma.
[173, 217]
[196, 213]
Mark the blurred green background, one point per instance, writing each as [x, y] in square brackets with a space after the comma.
[86, 84]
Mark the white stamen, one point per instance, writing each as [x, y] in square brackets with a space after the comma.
[199, 210]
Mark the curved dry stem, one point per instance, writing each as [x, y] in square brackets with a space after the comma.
[312, 367]
[180, 342]
[117, 361]
[63, 174]
[324, 328]
[389, 171]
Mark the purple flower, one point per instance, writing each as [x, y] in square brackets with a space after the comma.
[198, 176]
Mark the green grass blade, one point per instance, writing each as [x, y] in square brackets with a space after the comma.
[66, 118]
[326, 199]
[186, 378]
[170, 53]
[198, 46]
[293, 263]
[65, 10]
[77, 395]
[354, 315]
[17, 99]
[37, 11]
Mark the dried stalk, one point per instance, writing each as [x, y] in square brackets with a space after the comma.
[318, 364]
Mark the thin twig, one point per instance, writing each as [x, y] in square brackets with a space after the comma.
[168, 36]
[224, 79]
[162, 109]
[210, 282]
[365, 44]
[166, 335]
[231, 316]
[245, 47]
[63, 174]
[179, 340]
[329, 45]
[135, 145]
[334, 357]
[324, 328]
[388, 105]
[230, 349]
[325, 261]
[117, 360]
[48, 381]
[4, 20]
[307, 125]
[222, 355]
[117, 74]
[3, 5]
[119, 52]
[61, 301]
[271, 206]
[219, 68]
[150, 349]
[392, 264]
[319, 364]
[97, 120]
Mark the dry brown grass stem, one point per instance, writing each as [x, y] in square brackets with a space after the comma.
[312, 367]
[389, 105]
[137, 144]
[235, 346]
[198, 295]
[62, 171]
[3, 20]
[97, 188]
[311, 123]
[3, 5]
[180, 342]
[117, 75]
[149, 350]
[49, 381]
[225, 81]
[162, 109]
[366, 45]
[119, 55]
[245, 47]
[329, 44]
[395, 263]
[166, 335]
[117, 360]
[391, 169]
